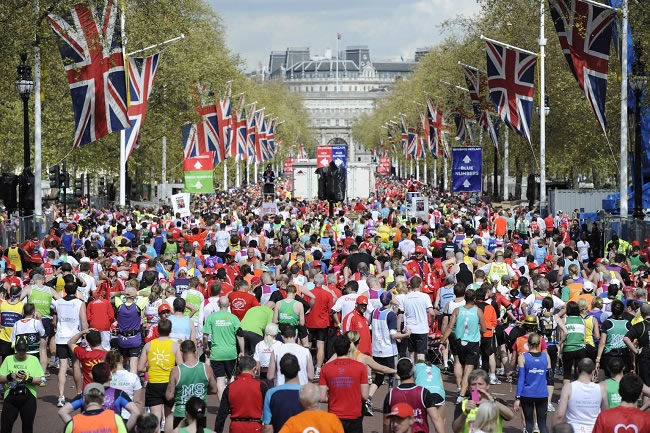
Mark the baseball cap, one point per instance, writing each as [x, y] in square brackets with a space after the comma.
[635, 243]
[532, 266]
[548, 258]
[588, 286]
[401, 410]
[94, 386]
[231, 253]
[182, 269]
[615, 281]
[21, 344]
[11, 266]
[421, 250]
[164, 307]
[543, 269]
[255, 281]
[362, 300]
[385, 298]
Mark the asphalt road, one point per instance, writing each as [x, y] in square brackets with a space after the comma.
[47, 419]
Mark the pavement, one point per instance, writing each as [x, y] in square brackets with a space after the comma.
[47, 419]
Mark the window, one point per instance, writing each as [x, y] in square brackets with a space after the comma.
[337, 122]
[326, 88]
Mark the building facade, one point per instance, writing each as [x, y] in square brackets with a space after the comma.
[338, 89]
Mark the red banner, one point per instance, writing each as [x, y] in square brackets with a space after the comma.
[199, 163]
[384, 166]
[323, 156]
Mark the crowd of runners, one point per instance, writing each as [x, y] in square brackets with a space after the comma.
[295, 320]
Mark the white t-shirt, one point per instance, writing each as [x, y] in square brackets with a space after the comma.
[27, 326]
[263, 352]
[533, 308]
[345, 304]
[67, 323]
[128, 382]
[221, 241]
[303, 355]
[407, 247]
[90, 287]
[583, 250]
[415, 308]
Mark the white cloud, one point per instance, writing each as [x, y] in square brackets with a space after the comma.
[390, 28]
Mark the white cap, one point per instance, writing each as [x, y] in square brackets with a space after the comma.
[615, 281]
[84, 259]
[588, 286]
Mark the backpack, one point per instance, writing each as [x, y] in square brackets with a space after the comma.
[546, 324]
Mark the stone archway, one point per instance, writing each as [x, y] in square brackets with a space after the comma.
[337, 141]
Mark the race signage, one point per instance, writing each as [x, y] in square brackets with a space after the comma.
[269, 208]
[199, 181]
[327, 154]
[199, 163]
[466, 169]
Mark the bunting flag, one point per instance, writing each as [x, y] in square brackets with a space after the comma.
[142, 72]
[190, 140]
[511, 79]
[412, 146]
[585, 33]
[90, 42]
[270, 138]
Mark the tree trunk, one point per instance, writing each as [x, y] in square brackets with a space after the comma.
[518, 177]
[595, 175]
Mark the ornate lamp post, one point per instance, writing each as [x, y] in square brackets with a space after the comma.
[638, 82]
[25, 86]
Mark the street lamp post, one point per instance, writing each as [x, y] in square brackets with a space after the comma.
[25, 86]
[638, 82]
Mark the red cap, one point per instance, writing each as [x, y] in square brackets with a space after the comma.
[255, 281]
[532, 266]
[548, 258]
[598, 260]
[164, 307]
[635, 243]
[401, 410]
[543, 269]
[10, 266]
[362, 300]
[232, 253]
[420, 250]
[113, 268]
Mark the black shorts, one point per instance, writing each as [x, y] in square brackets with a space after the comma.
[387, 361]
[500, 334]
[468, 353]
[418, 343]
[131, 352]
[318, 334]
[452, 345]
[47, 325]
[644, 370]
[64, 352]
[488, 346]
[154, 395]
[250, 341]
[6, 349]
[224, 368]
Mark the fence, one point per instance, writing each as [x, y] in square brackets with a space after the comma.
[20, 229]
[629, 229]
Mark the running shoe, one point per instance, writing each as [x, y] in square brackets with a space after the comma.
[60, 402]
[459, 399]
[317, 374]
[367, 408]
[43, 381]
[494, 381]
[550, 408]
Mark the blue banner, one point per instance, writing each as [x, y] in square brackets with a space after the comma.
[466, 169]
[340, 155]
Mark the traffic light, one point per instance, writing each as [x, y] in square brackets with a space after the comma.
[79, 186]
[64, 180]
[55, 177]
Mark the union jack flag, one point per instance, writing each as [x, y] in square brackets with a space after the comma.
[260, 138]
[461, 126]
[224, 120]
[242, 136]
[472, 78]
[424, 120]
[190, 140]
[270, 138]
[142, 72]
[90, 42]
[251, 131]
[207, 131]
[436, 125]
[302, 154]
[585, 33]
[511, 78]
[412, 147]
[490, 126]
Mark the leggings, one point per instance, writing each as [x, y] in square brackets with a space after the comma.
[531, 406]
[569, 359]
[25, 405]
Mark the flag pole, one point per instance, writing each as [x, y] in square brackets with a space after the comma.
[123, 131]
[151, 47]
[337, 62]
[623, 173]
[542, 112]
[503, 44]
[38, 176]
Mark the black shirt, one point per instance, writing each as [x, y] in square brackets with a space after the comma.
[641, 332]
[353, 260]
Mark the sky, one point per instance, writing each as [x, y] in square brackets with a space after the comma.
[391, 28]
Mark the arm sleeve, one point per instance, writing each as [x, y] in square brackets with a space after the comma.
[387, 403]
[77, 403]
[224, 411]
[520, 380]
